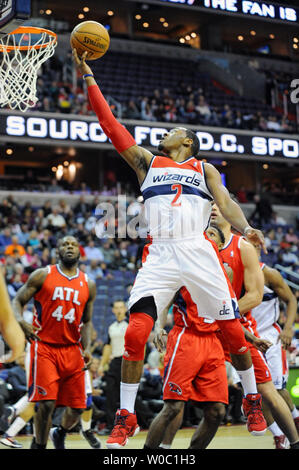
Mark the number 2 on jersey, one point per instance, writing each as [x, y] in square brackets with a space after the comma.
[69, 316]
[178, 189]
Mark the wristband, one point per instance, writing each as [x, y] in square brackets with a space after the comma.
[87, 75]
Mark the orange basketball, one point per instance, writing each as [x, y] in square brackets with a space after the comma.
[92, 37]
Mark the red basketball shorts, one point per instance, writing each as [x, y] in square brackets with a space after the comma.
[261, 369]
[56, 373]
[194, 367]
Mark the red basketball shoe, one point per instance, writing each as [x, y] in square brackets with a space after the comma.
[252, 409]
[125, 426]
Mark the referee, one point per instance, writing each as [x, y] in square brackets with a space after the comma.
[112, 357]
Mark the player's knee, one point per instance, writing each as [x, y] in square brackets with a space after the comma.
[46, 407]
[234, 336]
[215, 413]
[137, 333]
[77, 411]
[171, 409]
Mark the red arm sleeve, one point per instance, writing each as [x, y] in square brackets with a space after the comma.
[114, 130]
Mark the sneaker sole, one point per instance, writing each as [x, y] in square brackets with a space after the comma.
[115, 445]
[137, 430]
[258, 433]
[9, 444]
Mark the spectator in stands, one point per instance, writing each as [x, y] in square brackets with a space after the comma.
[241, 195]
[45, 258]
[54, 186]
[277, 219]
[203, 110]
[93, 252]
[82, 206]
[227, 116]
[119, 262]
[5, 237]
[273, 124]
[20, 271]
[132, 111]
[146, 113]
[55, 221]
[108, 250]
[33, 240]
[64, 101]
[291, 236]
[263, 210]
[94, 271]
[30, 260]
[287, 257]
[15, 249]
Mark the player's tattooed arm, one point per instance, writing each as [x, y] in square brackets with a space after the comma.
[24, 294]
[87, 322]
[139, 159]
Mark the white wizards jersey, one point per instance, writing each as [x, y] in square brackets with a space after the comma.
[177, 200]
[267, 312]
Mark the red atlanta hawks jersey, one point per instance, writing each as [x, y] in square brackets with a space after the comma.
[59, 306]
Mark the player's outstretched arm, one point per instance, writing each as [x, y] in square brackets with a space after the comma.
[275, 281]
[24, 294]
[230, 210]
[253, 278]
[9, 327]
[137, 157]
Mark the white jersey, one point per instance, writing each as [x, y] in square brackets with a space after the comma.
[267, 312]
[176, 198]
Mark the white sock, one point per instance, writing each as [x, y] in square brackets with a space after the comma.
[16, 427]
[86, 425]
[165, 446]
[275, 429]
[21, 404]
[128, 393]
[295, 413]
[247, 378]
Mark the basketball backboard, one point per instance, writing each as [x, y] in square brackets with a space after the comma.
[12, 14]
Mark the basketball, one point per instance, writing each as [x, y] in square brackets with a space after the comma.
[92, 37]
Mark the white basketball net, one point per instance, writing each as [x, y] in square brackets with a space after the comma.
[18, 68]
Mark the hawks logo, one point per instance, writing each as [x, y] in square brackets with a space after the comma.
[41, 390]
[175, 388]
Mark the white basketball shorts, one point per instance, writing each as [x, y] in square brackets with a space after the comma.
[193, 263]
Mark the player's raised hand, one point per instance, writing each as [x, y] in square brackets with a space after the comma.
[255, 237]
[81, 62]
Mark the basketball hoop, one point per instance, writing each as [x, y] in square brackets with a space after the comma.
[24, 50]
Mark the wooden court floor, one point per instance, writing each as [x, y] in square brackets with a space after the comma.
[227, 437]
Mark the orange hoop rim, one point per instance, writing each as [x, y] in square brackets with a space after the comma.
[29, 30]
